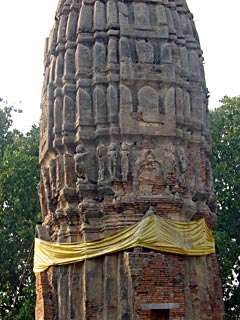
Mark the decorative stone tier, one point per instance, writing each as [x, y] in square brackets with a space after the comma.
[124, 130]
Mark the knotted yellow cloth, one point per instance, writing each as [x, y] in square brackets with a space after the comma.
[188, 238]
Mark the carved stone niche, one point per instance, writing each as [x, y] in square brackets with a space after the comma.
[125, 161]
[194, 65]
[83, 58]
[100, 110]
[112, 57]
[84, 108]
[80, 165]
[144, 51]
[112, 164]
[112, 103]
[148, 104]
[179, 106]
[99, 17]
[69, 65]
[112, 14]
[148, 171]
[166, 53]
[141, 15]
[85, 20]
[169, 161]
[203, 202]
[125, 50]
[99, 56]
[102, 168]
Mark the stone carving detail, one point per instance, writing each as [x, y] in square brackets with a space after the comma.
[194, 64]
[177, 24]
[99, 56]
[187, 107]
[197, 185]
[176, 56]
[100, 105]
[112, 102]
[124, 154]
[99, 19]
[161, 16]
[101, 154]
[52, 41]
[44, 191]
[68, 110]
[83, 57]
[112, 155]
[169, 161]
[42, 198]
[170, 23]
[69, 175]
[148, 169]
[72, 26]
[179, 105]
[144, 51]
[84, 107]
[69, 113]
[112, 14]
[182, 163]
[52, 177]
[46, 187]
[58, 108]
[59, 69]
[61, 37]
[59, 172]
[197, 107]
[186, 26]
[52, 70]
[148, 104]
[85, 20]
[166, 53]
[81, 164]
[184, 60]
[125, 50]
[112, 51]
[123, 13]
[141, 14]
[169, 101]
[125, 100]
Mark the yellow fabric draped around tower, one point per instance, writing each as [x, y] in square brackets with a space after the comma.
[188, 238]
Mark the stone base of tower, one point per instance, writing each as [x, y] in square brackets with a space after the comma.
[137, 284]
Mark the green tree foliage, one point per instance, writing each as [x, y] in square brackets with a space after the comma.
[19, 175]
[225, 128]
[5, 124]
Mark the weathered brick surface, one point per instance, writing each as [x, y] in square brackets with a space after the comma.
[44, 303]
[174, 279]
[125, 130]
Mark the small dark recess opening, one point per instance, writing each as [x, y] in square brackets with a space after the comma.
[160, 314]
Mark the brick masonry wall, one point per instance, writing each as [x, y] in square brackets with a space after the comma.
[177, 279]
[116, 287]
[44, 304]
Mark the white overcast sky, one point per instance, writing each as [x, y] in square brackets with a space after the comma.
[25, 24]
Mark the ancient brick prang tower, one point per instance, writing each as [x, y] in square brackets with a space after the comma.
[124, 132]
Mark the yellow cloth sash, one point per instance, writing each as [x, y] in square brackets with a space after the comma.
[187, 238]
